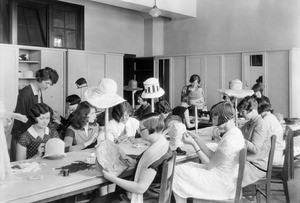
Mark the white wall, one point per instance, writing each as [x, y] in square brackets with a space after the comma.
[235, 25]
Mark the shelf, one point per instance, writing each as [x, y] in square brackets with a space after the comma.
[32, 62]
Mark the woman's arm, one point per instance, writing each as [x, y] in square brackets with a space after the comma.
[146, 178]
[187, 119]
[70, 135]
[257, 139]
[20, 152]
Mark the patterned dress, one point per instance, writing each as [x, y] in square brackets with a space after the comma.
[31, 140]
[194, 180]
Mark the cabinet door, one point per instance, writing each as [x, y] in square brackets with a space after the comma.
[232, 68]
[114, 70]
[9, 76]
[178, 79]
[55, 95]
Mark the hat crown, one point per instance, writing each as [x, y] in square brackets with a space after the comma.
[132, 83]
[236, 84]
[151, 85]
[107, 86]
[54, 147]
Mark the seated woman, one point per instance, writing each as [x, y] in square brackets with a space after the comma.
[31, 143]
[258, 141]
[146, 183]
[122, 126]
[258, 92]
[83, 130]
[183, 112]
[275, 128]
[145, 106]
[216, 177]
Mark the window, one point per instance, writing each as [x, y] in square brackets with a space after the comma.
[256, 60]
[4, 21]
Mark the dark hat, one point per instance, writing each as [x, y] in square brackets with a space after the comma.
[132, 86]
[81, 82]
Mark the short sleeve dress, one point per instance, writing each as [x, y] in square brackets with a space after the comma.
[31, 140]
[194, 180]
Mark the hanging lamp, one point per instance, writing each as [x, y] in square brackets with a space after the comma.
[155, 12]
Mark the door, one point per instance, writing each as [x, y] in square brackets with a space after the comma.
[163, 73]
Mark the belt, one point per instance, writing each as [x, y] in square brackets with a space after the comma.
[258, 167]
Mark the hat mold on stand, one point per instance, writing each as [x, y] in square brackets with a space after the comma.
[236, 89]
[54, 149]
[104, 95]
[132, 86]
[152, 89]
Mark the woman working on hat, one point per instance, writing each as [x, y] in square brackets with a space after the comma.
[148, 171]
[32, 142]
[195, 86]
[83, 130]
[28, 97]
[215, 177]
[145, 106]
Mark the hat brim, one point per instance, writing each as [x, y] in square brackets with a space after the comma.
[127, 88]
[54, 156]
[102, 100]
[160, 93]
[237, 93]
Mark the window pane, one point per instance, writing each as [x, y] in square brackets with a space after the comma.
[70, 20]
[21, 18]
[31, 17]
[58, 38]
[35, 36]
[58, 19]
[4, 21]
[23, 35]
[70, 39]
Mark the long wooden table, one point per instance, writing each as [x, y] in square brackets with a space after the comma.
[55, 186]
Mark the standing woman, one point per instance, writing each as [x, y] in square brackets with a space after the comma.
[31, 143]
[195, 86]
[258, 141]
[83, 130]
[215, 177]
[148, 171]
[27, 98]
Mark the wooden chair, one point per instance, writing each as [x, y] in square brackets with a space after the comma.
[266, 181]
[167, 180]
[238, 190]
[282, 174]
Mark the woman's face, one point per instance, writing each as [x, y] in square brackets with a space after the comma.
[72, 108]
[92, 115]
[43, 120]
[245, 114]
[140, 101]
[195, 83]
[125, 117]
[45, 84]
[214, 120]
[258, 94]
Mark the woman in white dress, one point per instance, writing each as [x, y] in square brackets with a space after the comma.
[215, 178]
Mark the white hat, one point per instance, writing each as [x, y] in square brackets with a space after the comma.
[176, 132]
[236, 89]
[104, 95]
[54, 149]
[152, 89]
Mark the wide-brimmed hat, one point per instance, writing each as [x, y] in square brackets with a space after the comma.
[236, 89]
[104, 95]
[152, 89]
[54, 149]
[132, 86]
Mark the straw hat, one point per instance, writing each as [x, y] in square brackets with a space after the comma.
[54, 149]
[152, 89]
[236, 89]
[176, 132]
[104, 95]
[132, 86]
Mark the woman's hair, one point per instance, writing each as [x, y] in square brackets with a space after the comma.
[257, 87]
[153, 122]
[248, 103]
[162, 106]
[39, 109]
[119, 110]
[139, 95]
[80, 118]
[73, 99]
[225, 112]
[194, 78]
[263, 105]
[185, 98]
[47, 74]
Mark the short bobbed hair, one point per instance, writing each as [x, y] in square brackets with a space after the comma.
[263, 105]
[80, 118]
[119, 110]
[185, 98]
[139, 95]
[162, 106]
[248, 103]
[47, 74]
[153, 122]
[73, 99]
[37, 110]
[195, 77]
[257, 87]
[225, 112]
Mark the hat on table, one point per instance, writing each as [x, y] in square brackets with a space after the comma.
[236, 89]
[54, 149]
[132, 86]
[152, 89]
[104, 95]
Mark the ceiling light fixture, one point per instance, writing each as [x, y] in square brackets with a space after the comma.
[155, 12]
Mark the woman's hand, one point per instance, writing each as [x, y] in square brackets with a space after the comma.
[187, 138]
[41, 150]
[108, 175]
[192, 134]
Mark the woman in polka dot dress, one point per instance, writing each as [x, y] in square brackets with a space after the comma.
[31, 143]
